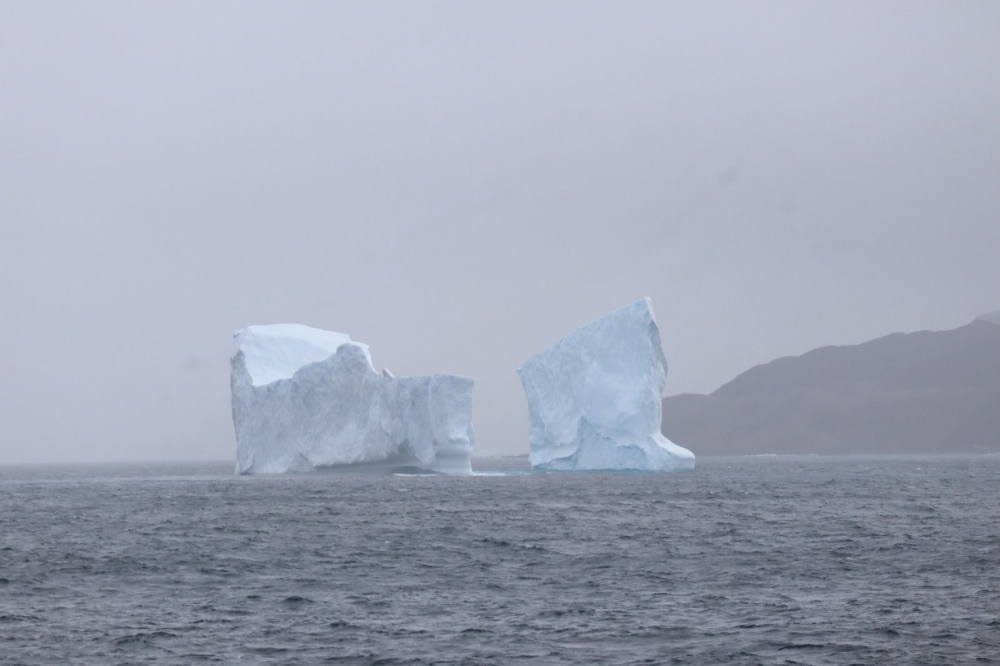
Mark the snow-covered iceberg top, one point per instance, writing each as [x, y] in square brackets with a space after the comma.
[307, 399]
[594, 398]
[276, 351]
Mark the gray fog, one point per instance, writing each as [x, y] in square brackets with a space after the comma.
[461, 184]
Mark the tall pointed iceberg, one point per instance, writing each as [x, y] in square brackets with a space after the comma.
[594, 398]
[306, 399]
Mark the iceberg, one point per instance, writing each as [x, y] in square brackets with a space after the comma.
[306, 399]
[594, 398]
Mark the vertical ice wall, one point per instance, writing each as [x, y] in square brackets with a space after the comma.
[305, 399]
[594, 397]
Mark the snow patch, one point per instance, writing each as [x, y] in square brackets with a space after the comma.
[277, 351]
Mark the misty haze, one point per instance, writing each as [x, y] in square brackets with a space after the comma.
[451, 332]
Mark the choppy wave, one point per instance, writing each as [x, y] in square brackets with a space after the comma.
[785, 561]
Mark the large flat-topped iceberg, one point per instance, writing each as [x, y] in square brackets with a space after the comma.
[594, 398]
[306, 399]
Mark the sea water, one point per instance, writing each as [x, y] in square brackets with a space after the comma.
[773, 560]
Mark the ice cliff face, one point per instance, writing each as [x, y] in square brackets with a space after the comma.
[305, 399]
[594, 398]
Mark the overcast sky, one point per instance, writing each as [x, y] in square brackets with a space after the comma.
[461, 184]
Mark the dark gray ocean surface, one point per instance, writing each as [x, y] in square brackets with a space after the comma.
[790, 560]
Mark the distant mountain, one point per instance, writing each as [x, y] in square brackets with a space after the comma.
[993, 318]
[926, 392]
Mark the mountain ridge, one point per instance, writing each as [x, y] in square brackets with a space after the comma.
[991, 317]
[921, 392]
